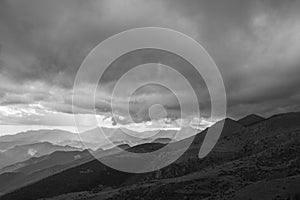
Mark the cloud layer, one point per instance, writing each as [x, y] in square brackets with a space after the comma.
[255, 44]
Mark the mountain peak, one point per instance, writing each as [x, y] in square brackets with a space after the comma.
[250, 120]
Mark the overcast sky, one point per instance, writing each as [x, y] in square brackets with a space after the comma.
[255, 44]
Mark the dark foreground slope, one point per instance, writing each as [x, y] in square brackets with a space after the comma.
[244, 159]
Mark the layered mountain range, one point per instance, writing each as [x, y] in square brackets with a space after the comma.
[255, 158]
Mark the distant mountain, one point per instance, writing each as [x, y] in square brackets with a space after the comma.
[6, 145]
[37, 168]
[117, 135]
[36, 136]
[163, 140]
[38, 163]
[92, 139]
[80, 144]
[114, 135]
[24, 152]
[250, 120]
[39, 135]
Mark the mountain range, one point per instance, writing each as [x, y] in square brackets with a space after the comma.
[92, 139]
[21, 153]
[255, 158]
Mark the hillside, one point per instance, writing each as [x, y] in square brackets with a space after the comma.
[242, 158]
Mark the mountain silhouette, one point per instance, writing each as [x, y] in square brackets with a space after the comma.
[250, 120]
[242, 158]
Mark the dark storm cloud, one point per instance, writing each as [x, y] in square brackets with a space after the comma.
[31, 33]
[51, 38]
[256, 47]
[255, 44]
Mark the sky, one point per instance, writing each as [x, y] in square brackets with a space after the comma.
[255, 44]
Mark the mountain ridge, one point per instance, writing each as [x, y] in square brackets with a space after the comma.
[244, 149]
[251, 119]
